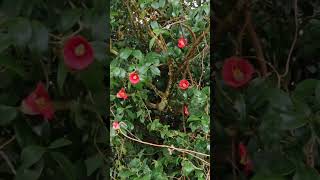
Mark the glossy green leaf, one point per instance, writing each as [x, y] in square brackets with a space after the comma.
[93, 163]
[69, 18]
[64, 164]
[7, 114]
[61, 75]
[12, 64]
[31, 155]
[40, 37]
[20, 30]
[59, 143]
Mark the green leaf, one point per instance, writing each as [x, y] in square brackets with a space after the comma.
[305, 88]
[69, 18]
[306, 174]
[30, 174]
[10, 63]
[151, 43]
[272, 163]
[11, 8]
[187, 167]
[65, 165]
[20, 31]
[155, 70]
[92, 77]
[155, 5]
[61, 75]
[99, 48]
[137, 54]
[162, 3]
[40, 37]
[154, 25]
[93, 163]
[7, 114]
[31, 155]
[125, 53]
[5, 41]
[260, 176]
[24, 134]
[60, 143]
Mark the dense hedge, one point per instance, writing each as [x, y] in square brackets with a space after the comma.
[160, 89]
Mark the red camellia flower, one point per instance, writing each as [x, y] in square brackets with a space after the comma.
[237, 72]
[245, 159]
[185, 110]
[248, 167]
[184, 84]
[38, 102]
[116, 125]
[122, 94]
[78, 53]
[134, 77]
[182, 42]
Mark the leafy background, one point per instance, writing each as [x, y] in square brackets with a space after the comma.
[277, 114]
[75, 143]
[144, 38]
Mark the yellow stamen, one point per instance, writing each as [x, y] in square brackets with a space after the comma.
[41, 103]
[238, 74]
[80, 50]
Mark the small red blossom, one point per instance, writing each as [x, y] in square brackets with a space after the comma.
[38, 102]
[248, 167]
[116, 125]
[78, 53]
[185, 110]
[182, 42]
[184, 84]
[134, 77]
[122, 94]
[245, 159]
[237, 72]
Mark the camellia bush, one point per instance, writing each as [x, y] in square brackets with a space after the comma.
[159, 89]
[52, 93]
[267, 89]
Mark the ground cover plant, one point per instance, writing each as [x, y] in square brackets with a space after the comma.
[52, 94]
[267, 89]
[159, 89]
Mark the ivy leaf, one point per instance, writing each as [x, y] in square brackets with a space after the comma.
[155, 70]
[125, 53]
[187, 167]
[151, 43]
[137, 54]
